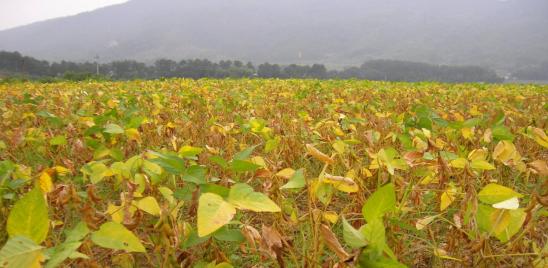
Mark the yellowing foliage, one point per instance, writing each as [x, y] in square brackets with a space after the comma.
[288, 173]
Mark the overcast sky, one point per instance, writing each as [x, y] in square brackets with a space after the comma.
[20, 12]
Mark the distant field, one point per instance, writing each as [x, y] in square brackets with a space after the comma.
[268, 173]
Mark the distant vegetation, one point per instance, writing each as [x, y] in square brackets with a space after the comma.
[536, 72]
[13, 64]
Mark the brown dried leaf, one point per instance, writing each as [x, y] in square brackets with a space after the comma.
[252, 237]
[333, 243]
[411, 157]
[540, 167]
[273, 244]
[92, 195]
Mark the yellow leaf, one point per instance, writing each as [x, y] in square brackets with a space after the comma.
[338, 131]
[478, 154]
[482, 165]
[286, 173]
[331, 217]
[506, 152]
[500, 219]
[45, 182]
[440, 144]
[427, 180]
[366, 172]
[117, 213]
[112, 103]
[22, 172]
[61, 171]
[427, 133]
[133, 134]
[339, 146]
[474, 111]
[458, 117]
[257, 160]
[540, 137]
[213, 213]
[467, 133]
[447, 198]
[419, 144]
[459, 163]
[149, 205]
[170, 125]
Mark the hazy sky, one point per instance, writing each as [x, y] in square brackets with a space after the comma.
[20, 12]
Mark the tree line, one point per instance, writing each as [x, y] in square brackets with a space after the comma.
[15, 64]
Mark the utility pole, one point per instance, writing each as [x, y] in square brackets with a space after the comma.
[97, 63]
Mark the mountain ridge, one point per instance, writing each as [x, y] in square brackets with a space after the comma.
[490, 33]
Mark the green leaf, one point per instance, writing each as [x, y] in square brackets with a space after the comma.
[271, 145]
[245, 154]
[116, 154]
[189, 151]
[78, 255]
[242, 196]
[500, 132]
[353, 237]
[96, 171]
[167, 194]
[494, 193]
[115, 236]
[68, 249]
[193, 239]
[58, 140]
[229, 235]
[243, 166]
[195, 174]
[170, 162]
[380, 202]
[113, 129]
[370, 259]
[215, 189]
[297, 181]
[185, 193]
[62, 252]
[472, 122]
[374, 234]
[20, 252]
[101, 152]
[213, 213]
[77, 233]
[387, 157]
[219, 161]
[29, 217]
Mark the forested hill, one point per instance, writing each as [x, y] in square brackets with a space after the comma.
[15, 65]
[500, 34]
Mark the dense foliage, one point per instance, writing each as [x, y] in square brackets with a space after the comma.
[295, 173]
[14, 63]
